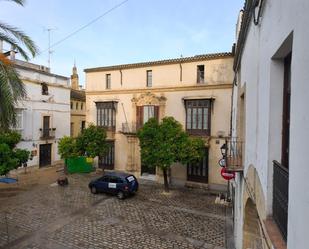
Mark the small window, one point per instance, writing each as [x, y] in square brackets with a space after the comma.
[44, 89]
[76, 106]
[108, 81]
[200, 74]
[81, 106]
[83, 125]
[71, 105]
[149, 78]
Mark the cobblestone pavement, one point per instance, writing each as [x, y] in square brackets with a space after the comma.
[71, 217]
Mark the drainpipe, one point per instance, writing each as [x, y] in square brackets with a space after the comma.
[180, 75]
[120, 77]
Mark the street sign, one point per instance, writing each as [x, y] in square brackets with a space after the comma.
[227, 175]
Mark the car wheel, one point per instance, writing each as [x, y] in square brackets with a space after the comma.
[120, 195]
[93, 190]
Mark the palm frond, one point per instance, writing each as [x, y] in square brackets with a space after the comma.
[14, 44]
[20, 2]
[20, 36]
[12, 90]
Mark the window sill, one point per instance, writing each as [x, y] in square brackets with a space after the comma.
[274, 234]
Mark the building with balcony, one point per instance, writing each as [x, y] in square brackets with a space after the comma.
[77, 105]
[270, 125]
[196, 91]
[43, 117]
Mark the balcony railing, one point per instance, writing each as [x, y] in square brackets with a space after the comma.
[130, 128]
[233, 154]
[47, 133]
[281, 197]
[108, 128]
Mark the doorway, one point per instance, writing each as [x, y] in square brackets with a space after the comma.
[198, 172]
[45, 155]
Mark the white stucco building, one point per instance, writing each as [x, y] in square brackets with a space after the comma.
[44, 115]
[270, 117]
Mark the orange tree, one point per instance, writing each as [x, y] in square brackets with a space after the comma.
[165, 143]
[10, 156]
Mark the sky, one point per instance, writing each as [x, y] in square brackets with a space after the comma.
[137, 31]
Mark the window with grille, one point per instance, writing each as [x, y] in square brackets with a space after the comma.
[198, 116]
[106, 114]
[108, 81]
[149, 78]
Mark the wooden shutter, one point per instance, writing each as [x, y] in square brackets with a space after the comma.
[139, 116]
[156, 112]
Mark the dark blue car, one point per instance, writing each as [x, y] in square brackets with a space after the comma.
[120, 184]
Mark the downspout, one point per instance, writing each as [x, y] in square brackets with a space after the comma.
[180, 74]
[120, 77]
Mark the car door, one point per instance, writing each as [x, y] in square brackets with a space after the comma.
[102, 184]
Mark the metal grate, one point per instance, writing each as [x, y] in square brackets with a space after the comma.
[233, 154]
[281, 197]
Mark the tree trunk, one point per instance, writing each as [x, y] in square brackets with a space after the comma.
[166, 189]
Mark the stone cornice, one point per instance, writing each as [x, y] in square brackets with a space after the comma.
[161, 89]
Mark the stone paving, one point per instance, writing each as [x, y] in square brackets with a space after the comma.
[71, 217]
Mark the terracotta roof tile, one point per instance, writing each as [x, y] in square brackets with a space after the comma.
[161, 62]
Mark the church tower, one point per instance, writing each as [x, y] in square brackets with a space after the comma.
[74, 79]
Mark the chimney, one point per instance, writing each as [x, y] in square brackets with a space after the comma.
[12, 53]
[1, 46]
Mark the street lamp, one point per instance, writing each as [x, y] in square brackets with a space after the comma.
[223, 149]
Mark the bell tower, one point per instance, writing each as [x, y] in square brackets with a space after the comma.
[74, 79]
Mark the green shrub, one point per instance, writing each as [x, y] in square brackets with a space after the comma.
[11, 157]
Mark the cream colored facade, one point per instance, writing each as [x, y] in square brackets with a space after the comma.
[78, 106]
[173, 83]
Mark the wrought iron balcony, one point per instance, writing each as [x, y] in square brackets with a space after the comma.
[281, 197]
[130, 128]
[233, 154]
[47, 133]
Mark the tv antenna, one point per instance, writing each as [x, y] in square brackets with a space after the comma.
[49, 30]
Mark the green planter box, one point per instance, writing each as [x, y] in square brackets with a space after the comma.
[80, 164]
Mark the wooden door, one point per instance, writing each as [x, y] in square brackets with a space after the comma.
[198, 172]
[45, 154]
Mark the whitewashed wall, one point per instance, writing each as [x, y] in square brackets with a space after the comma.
[56, 105]
[283, 23]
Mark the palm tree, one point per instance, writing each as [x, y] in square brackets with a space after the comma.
[12, 88]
